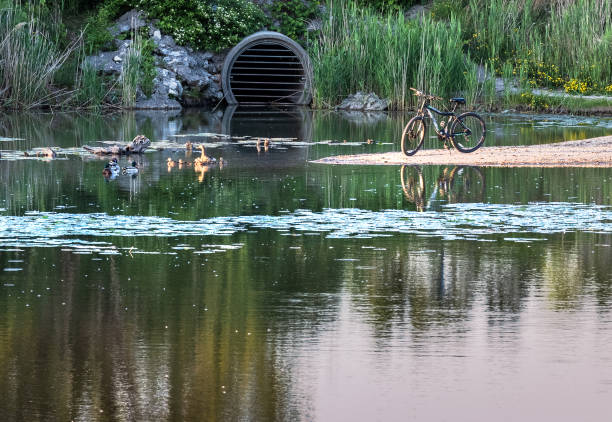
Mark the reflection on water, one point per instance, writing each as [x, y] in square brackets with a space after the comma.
[454, 184]
[275, 289]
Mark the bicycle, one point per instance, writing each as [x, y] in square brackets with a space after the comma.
[467, 130]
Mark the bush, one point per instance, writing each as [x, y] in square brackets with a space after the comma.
[205, 25]
[293, 17]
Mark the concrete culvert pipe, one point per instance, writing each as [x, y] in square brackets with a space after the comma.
[267, 68]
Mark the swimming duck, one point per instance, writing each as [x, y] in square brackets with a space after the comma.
[204, 159]
[133, 169]
[107, 171]
[114, 166]
[188, 145]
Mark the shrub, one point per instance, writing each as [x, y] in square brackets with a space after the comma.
[293, 17]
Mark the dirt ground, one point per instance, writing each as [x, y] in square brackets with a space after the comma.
[594, 152]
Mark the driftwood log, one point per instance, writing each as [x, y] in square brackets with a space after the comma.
[138, 145]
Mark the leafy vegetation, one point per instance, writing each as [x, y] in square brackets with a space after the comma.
[30, 56]
[360, 49]
[293, 17]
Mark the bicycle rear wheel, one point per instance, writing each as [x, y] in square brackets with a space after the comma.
[468, 132]
[413, 135]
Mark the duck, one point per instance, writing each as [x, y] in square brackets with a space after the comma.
[107, 172]
[133, 169]
[188, 145]
[204, 159]
[114, 166]
[266, 144]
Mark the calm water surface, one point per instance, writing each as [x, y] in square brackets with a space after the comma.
[277, 289]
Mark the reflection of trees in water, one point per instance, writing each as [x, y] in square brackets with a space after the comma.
[101, 342]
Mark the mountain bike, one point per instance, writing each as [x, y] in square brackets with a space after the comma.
[466, 131]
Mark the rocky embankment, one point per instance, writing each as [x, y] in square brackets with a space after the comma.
[184, 77]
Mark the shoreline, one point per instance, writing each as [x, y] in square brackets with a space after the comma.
[593, 152]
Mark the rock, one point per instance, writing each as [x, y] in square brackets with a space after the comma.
[129, 21]
[183, 76]
[109, 62]
[167, 89]
[364, 102]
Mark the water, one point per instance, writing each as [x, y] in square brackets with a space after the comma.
[276, 289]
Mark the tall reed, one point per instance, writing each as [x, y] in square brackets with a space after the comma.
[548, 42]
[29, 58]
[360, 49]
[131, 71]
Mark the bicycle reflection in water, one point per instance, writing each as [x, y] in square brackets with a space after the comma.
[453, 185]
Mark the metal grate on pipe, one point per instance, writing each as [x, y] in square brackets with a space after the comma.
[267, 73]
[267, 68]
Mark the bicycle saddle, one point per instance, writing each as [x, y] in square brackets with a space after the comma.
[459, 100]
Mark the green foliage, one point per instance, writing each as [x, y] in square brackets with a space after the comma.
[204, 24]
[30, 56]
[147, 66]
[387, 5]
[91, 89]
[362, 50]
[293, 17]
[555, 44]
[97, 36]
[444, 9]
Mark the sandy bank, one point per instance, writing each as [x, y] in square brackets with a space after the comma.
[595, 152]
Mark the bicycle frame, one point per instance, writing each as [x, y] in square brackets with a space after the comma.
[426, 108]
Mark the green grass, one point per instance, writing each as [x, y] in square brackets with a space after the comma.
[359, 49]
[30, 56]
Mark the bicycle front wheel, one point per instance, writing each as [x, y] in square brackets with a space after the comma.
[413, 135]
[468, 132]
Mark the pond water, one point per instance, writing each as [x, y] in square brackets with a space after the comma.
[271, 288]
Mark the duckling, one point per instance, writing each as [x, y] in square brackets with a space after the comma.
[188, 145]
[170, 162]
[257, 145]
[266, 144]
[49, 153]
[370, 141]
[131, 170]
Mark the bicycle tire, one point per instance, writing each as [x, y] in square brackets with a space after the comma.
[413, 185]
[468, 132]
[413, 139]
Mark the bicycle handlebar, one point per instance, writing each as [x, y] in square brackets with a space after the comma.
[427, 96]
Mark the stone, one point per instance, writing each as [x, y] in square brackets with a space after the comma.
[129, 21]
[167, 89]
[364, 102]
[184, 76]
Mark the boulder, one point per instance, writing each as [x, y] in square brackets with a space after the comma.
[364, 102]
[166, 90]
[134, 19]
